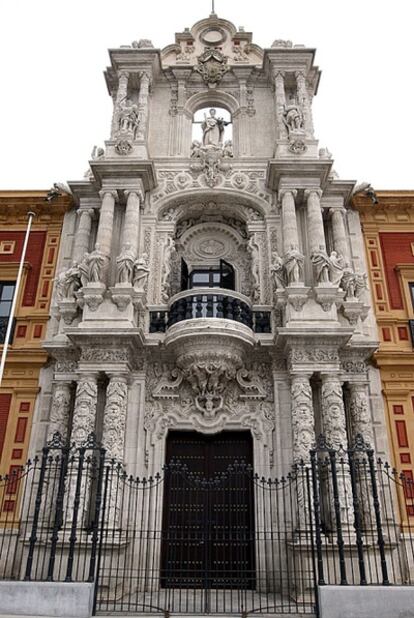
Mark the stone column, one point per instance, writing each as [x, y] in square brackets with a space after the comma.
[84, 414]
[106, 222]
[143, 106]
[334, 428]
[60, 410]
[280, 97]
[316, 234]
[113, 434]
[304, 102]
[289, 223]
[83, 233]
[361, 421]
[339, 233]
[121, 95]
[303, 419]
[303, 427]
[131, 229]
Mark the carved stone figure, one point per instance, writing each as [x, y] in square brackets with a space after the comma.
[142, 44]
[336, 268]
[141, 272]
[303, 422]
[254, 251]
[84, 270]
[85, 408]
[228, 149]
[195, 150]
[212, 65]
[169, 249]
[293, 119]
[128, 119]
[321, 264]
[278, 272]
[97, 262]
[293, 262]
[68, 282]
[213, 129]
[125, 265]
[353, 284]
[60, 410]
[114, 422]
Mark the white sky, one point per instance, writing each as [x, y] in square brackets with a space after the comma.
[54, 104]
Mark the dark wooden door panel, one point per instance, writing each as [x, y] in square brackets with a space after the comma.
[208, 517]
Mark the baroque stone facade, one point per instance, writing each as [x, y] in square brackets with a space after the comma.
[212, 275]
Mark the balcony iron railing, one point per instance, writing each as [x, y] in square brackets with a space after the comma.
[217, 305]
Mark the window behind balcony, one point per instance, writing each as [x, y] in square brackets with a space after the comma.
[213, 277]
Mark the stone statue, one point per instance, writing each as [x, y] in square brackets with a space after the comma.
[97, 262]
[293, 118]
[293, 262]
[195, 150]
[141, 272]
[336, 268]
[213, 129]
[84, 270]
[169, 249]
[128, 119]
[228, 149]
[68, 282]
[321, 263]
[125, 265]
[278, 272]
[254, 251]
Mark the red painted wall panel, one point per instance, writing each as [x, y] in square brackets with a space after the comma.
[396, 249]
[4, 415]
[34, 256]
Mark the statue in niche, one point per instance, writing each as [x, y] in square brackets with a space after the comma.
[141, 272]
[128, 118]
[293, 262]
[321, 264]
[278, 272]
[125, 265]
[254, 251]
[293, 119]
[169, 249]
[213, 129]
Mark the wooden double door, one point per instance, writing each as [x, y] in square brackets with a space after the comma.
[208, 512]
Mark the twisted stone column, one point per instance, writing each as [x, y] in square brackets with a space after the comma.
[316, 234]
[289, 222]
[121, 95]
[106, 222]
[82, 236]
[280, 97]
[339, 232]
[304, 102]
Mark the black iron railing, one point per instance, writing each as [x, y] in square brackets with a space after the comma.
[222, 306]
[181, 542]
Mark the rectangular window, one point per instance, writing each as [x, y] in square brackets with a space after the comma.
[6, 298]
[411, 286]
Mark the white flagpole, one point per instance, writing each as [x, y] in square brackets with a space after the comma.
[15, 296]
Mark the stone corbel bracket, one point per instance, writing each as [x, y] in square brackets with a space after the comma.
[250, 385]
[167, 387]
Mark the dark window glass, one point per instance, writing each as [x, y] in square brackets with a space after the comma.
[6, 298]
[411, 284]
[213, 278]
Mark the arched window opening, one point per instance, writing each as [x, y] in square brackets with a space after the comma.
[212, 126]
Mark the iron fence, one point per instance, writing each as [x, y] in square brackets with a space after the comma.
[181, 542]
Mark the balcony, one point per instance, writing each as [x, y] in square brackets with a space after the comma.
[203, 303]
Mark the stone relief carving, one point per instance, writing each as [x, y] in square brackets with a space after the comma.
[208, 393]
[143, 44]
[241, 53]
[293, 119]
[114, 422]
[84, 412]
[252, 182]
[168, 251]
[60, 410]
[312, 355]
[282, 43]
[253, 249]
[186, 224]
[303, 422]
[104, 355]
[211, 159]
[64, 365]
[212, 66]
[360, 413]
[185, 53]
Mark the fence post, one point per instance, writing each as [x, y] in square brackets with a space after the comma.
[337, 508]
[315, 586]
[58, 519]
[101, 536]
[359, 446]
[95, 523]
[76, 502]
[377, 510]
[38, 503]
[317, 513]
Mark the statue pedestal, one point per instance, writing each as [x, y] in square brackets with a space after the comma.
[297, 296]
[353, 310]
[127, 298]
[326, 294]
[92, 296]
[68, 310]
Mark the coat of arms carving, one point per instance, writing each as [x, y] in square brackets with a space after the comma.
[212, 65]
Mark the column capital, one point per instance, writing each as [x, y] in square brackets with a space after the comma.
[316, 190]
[331, 376]
[300, 375]
[283, 192]
[122, 74]
[334, 209]
[88, 376]
[138, 192]
[277, 73]
[117, 376]
[104, 192]
[299, 74]
[85, 211]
